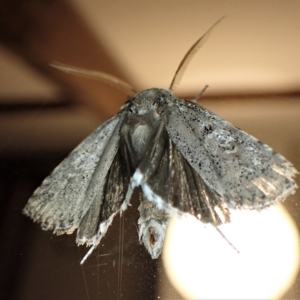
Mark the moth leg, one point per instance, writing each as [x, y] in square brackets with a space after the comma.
[153, 223]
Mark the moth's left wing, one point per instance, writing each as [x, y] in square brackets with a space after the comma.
[70, 193]
[245, 172]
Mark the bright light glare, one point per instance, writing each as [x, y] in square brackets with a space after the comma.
[202, 265]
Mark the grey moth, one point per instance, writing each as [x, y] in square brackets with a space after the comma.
[182, 158]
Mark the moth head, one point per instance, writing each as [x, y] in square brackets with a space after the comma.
[148, 100]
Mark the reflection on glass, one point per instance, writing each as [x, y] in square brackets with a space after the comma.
[203, 265]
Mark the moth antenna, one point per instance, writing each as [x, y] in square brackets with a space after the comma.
[189, 55]
[95, 75]
[198, 96]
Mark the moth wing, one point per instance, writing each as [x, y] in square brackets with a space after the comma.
[107, 203]
[244, 171]
[65, 196]
[169, 181]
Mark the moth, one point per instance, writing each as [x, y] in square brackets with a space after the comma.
[183, 159]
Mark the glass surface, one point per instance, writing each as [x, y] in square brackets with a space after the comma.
[38, 265]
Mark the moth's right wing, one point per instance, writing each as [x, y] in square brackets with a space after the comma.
[245, 172]
[66, 196]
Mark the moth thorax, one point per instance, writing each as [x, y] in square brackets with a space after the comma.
[142, 133]
[152, 227]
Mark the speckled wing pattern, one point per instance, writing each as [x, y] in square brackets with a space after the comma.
[195, 162]
[243, 171]
[76, 191]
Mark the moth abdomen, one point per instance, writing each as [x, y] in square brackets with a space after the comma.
[152, 227]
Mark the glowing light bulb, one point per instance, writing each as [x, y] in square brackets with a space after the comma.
[203, 265]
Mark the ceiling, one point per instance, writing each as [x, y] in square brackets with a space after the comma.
[253, 51]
